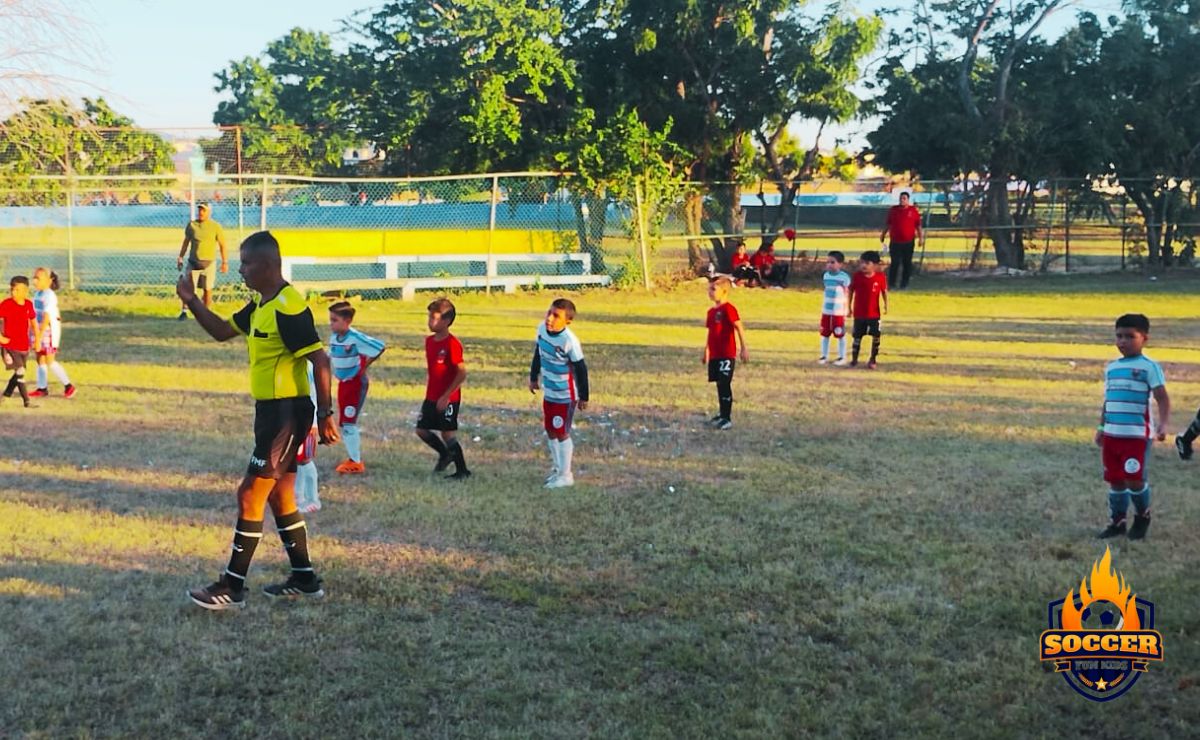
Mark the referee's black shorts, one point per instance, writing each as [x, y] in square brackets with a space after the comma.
[280, 427]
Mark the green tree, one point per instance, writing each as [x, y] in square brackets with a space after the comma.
[55, 137]
[726, 74]
[974, 105]
[291, 108]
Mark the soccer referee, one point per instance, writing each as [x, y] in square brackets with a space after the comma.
[281, 337]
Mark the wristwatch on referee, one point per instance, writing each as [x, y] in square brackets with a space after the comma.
[324, 414]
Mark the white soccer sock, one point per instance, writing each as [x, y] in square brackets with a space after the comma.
[824, 346]
[41, 376]
[554, 446]
[59, 372]
[306, 485]
[566, 449]
[841, 347]
[353, 442]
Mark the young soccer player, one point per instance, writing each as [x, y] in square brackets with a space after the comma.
[308, 499]
[558, 362]
[834, 309]
[868, 288]
[18, 316]
[351, 352]
[48, 333]
[1124, 434]
[723, 324]
[443, 394]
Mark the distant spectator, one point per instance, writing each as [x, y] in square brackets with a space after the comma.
[904, 229]
[770, 270]
[741, 268]
[201, 239]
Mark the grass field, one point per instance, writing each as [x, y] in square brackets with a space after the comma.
[866, 554]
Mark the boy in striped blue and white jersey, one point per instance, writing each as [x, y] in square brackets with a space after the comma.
[1125, 433]
[351, 352]
[834, 307]
[558, 362]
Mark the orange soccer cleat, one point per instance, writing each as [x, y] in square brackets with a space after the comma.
[350, 467]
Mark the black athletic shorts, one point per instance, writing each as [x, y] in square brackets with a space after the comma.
[438, 421]
[280, 427]
[719, 370]
[865, 326]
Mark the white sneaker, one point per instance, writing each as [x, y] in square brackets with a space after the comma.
[821, 361]
[553, 474]
[561, 481]
[840, 362]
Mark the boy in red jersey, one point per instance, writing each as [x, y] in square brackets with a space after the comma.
[868, 288]
[439, 412]
[723, 323]
[18, 316]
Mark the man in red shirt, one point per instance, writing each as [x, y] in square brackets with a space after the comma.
[904, 228]
[439, 412]
[19, 317]
[868, 288]
[769, 270]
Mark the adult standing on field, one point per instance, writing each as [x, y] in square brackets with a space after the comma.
[201, 239]
[904, 229]
[282, 340]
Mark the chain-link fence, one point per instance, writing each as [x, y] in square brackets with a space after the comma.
[106, 208]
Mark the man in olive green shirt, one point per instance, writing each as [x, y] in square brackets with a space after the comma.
[200, 241]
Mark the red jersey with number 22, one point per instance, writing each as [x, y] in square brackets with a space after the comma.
[865, 292]
[443, 359]
[722, 335]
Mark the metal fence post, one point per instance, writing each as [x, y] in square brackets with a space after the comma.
[70, 235]
[262, 207]
[1067, 230]
[491, 257]
[1124, 202]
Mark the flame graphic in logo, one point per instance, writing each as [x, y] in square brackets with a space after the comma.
[1106, 585]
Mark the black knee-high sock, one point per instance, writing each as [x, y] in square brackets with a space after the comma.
[855, 348]
[245, 539]
[725, 397]
[455, 450]
[874, 347]
[433, 441]
[1193, 429]
[12, 386]
[293, 532]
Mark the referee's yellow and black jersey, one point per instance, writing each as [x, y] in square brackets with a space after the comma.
[279, 333]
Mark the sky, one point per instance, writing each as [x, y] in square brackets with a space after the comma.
[155, 61]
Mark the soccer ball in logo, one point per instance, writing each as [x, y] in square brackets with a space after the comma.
[1102, 615]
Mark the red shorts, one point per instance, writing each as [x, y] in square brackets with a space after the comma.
[557, 417]
[352, 394]
[835, 325]
[1124, 458]
[308, 450]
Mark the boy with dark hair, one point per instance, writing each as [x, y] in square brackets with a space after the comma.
[351, 353]
[19, 318]
[720, 350]
[1124, 434]
[443, 390]
[868, 288]
[558, 362]
[835, 307]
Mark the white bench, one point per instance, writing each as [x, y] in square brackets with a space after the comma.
[397, 272]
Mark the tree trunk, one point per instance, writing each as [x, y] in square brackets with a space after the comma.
[693, 211]
[591, 218]
[1145, 205]
[1009, 247]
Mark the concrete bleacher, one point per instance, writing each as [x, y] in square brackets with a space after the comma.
[410, 273]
